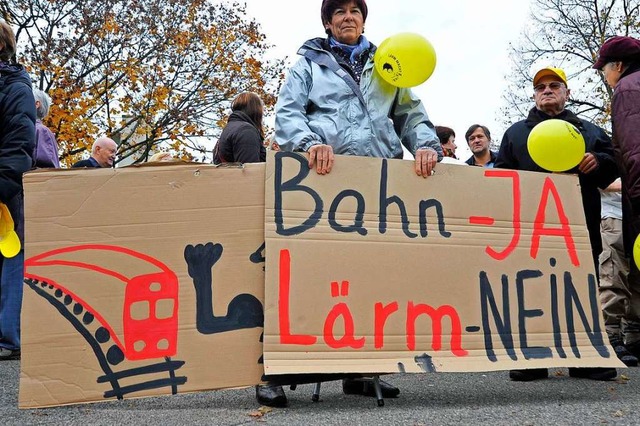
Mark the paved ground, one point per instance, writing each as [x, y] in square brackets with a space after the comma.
[426, 399]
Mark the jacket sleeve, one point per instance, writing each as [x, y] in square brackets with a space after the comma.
[506, 159]
[626, 129]
[292, 125]
[602, 149]
[412, 123]
[246, 145]
[17, 120]
[45, 153]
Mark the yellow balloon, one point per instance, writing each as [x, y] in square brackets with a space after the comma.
[636, 251]
[405, 60]
[10, 245]
[556, 145]
[6, 221]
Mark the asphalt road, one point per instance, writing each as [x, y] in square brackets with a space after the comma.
[426, 399]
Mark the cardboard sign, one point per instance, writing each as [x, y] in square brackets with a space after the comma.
[150, 280]
[141, 281]
[372, 269]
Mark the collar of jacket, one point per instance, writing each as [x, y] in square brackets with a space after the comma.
[317, 50]
[632, 68]
[536, 116]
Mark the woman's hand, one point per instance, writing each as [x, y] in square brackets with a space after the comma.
[426, 159]
[321, 156]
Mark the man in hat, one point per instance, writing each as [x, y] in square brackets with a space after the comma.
[619, 62]
[596, 170]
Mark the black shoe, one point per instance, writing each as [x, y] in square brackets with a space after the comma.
[8, 354]
[528, 375]
[634, 348]
[364, 386]
[271, 396]
[623, 353]
[593, 373]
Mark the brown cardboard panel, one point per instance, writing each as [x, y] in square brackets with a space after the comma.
[110, 307]
[373, 269]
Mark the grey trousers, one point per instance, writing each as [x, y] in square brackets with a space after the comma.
[620, 303]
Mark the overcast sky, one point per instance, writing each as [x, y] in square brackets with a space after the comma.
[471, 39]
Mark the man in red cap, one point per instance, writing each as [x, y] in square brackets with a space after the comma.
[619, 62]
[596, 170]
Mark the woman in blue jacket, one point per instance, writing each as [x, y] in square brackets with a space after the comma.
[334, 102]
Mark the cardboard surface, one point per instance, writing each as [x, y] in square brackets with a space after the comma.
[110, 308]
[372, 269]
[150, 280]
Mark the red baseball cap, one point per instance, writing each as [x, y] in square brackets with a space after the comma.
[618, 48]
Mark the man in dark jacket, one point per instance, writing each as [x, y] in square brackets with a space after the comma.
[596, 170]
[479, 138]
[17, 141]
[103, 154]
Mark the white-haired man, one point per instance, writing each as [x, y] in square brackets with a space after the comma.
[103, 154]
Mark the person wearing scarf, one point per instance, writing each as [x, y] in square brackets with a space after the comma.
[334, 102]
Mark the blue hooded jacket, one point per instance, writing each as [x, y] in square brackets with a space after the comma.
[320, 103]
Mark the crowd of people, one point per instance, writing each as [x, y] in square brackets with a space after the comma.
[334, 102]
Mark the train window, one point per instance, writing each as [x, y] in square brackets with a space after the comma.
[139, 346]
[164, 308]
[140, 310]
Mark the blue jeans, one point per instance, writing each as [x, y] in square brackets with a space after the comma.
[11, 286]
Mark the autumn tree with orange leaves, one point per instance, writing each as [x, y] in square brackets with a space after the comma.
[149, 73]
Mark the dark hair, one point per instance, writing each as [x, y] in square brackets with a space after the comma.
[251, 104]
[7, 42]
[444, 133]
[475, 127]
[330, 6]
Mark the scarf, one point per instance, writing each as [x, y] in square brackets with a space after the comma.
[353, 51]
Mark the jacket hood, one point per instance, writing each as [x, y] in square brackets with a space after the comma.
[536, 116]
[12, 73]
[242, 116]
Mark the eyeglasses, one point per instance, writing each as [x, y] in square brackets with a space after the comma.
[553, 86]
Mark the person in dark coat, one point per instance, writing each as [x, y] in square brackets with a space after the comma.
[242, 140]
[103, 154]
[17, 141]
[479, 140]
[596, 170]
[619, 61]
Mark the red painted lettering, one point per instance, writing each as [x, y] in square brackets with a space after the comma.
[515, 220]
[436, 315]
[380, 318]
[539, 226]
[286, 337]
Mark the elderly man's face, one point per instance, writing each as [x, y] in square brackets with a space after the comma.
[347, 23]
[550, 95]
[106, 153]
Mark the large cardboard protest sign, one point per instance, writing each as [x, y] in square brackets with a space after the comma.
[372, 269]
[141, 281]
[151, 280]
